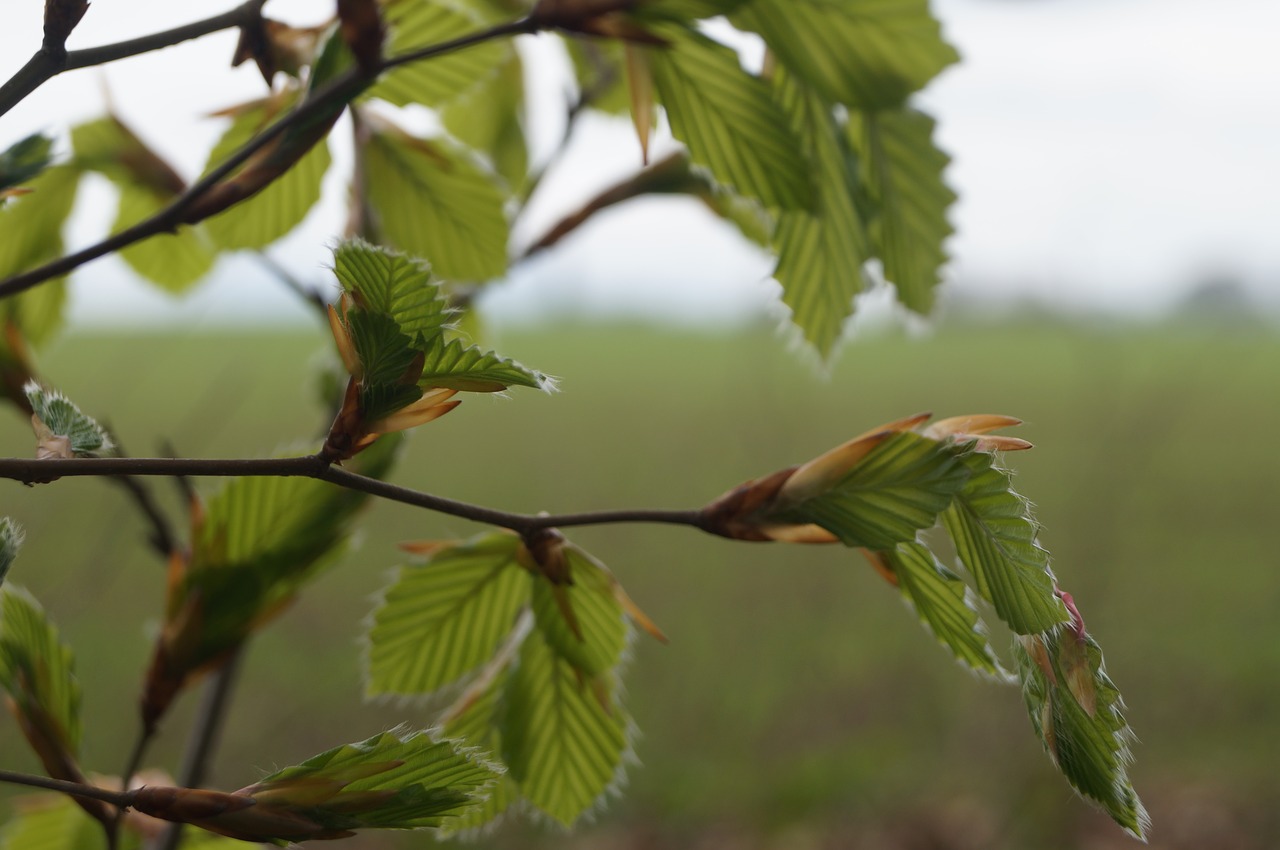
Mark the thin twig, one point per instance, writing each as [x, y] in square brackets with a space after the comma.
[45, 64]
[123, 799]
[340, 89]
[312, 296]
[31, 471]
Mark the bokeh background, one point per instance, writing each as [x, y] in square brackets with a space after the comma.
[1113, 285]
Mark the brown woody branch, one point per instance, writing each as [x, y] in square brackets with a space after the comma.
[30, 471]
[52, 59]
[337, 91]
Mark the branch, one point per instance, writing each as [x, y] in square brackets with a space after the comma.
[30, 471]
[339, 90]
[46, 64]
[75, 789]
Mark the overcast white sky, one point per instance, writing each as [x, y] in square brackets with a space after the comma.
[1108, 154]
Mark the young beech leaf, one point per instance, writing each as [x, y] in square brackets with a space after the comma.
[866, 55]
[32, 227]
[10, 542]
[943, 603]
[445, 617]
[394, 284]
[902, 172]
[23, 160]
[435, 199]
[37, 671]
[491, 119]
[468, 368]
[821, 249]
[62, 431]
[878, 499]
[565, 743]
[278, 206]
[728, 120]
[995, 538]
[415, 24]
[1078, 714]
[254, 545]
[55, 822]
[394, 780]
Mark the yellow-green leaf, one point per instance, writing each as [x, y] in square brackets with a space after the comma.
[866, 54]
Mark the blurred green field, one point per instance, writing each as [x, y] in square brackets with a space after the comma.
[798, 704]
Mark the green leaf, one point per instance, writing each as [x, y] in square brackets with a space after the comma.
[174, 261]
[420, 23]
[260, 540]
[10, 542]
[866, 54]
[387, 358]
[282, 205]
[593, 643]
[395, 780]
[995, 538]
[902, 170]
[55, 822]
[820, 251]
[897, 489]
[490, 119]
[435, 200]
[454, 365]
[391, 283]
[1077, 711]
[445, 617]
[691, 10]
[38, 672]
[728, 119]
[24, 159]
[563, 747]
[945, 606]
[32, 228]
[63, 420]
[598, 67]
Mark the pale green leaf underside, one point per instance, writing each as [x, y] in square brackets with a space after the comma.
[435, 82]
[455, 365]
[434, 200]
[942, 602]
[562, 747]
[173, 261]
[866, 54]
[995, 539]
[595, 609]
[821, 251]
[446, 617]
[728, 120]
[392, 283]
[902, 170]
[32, 228]
[434, 779]
[37, 669]
[895, 491]
[1091, 749]
[278, 208]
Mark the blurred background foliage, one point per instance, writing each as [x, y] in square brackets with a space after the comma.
[798, 705]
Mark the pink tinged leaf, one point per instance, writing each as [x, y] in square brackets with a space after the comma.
[977, 423]
[48, 444]
[819, 474]
[346, 348]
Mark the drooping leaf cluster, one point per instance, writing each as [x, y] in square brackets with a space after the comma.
[881, 492]
[531, 637]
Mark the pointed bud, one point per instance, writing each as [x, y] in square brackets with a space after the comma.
[643, 100]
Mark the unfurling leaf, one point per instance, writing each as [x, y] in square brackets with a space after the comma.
[62, 431]
[995, 539]
[395, 780]
[254, 546]
[640, 89]
[10, 542]
[37, 671]
[943, 603]
[23, 160]
[1077, 711]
